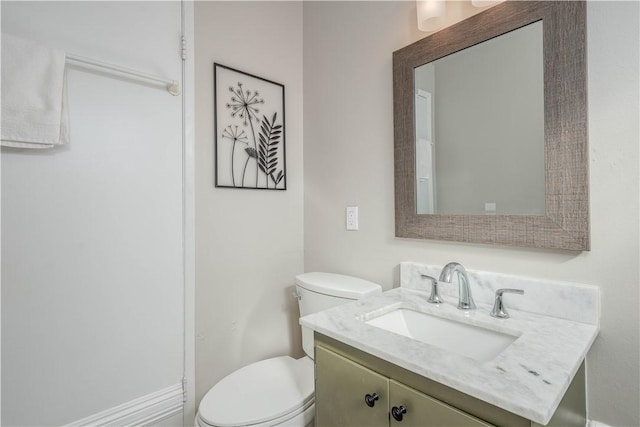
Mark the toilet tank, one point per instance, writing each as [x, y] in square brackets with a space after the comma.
[319, 291]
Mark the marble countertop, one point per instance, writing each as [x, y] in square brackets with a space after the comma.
[529, 378]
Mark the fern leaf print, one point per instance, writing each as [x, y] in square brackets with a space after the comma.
[269, 138]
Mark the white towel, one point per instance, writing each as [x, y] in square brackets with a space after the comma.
[34, 101]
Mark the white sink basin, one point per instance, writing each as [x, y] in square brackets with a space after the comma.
[466, 340]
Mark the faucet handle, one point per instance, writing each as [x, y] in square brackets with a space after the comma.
[499, 310]
[434, 298]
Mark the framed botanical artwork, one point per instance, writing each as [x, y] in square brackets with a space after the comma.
[249, 123]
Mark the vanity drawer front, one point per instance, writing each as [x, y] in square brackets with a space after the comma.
[422, 410]
[341, 387]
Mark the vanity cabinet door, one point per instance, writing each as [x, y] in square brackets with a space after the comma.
[424, 411]
[341, 389]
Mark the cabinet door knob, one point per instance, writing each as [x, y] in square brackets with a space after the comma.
[370, 399]
[398, 412]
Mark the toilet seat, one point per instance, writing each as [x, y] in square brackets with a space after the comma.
[264, 393]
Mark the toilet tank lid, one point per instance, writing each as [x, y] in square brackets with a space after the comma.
[337, 285]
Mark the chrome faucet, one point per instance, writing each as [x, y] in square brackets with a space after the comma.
[465, 300]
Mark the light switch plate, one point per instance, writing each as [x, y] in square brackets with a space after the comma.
[352, 218]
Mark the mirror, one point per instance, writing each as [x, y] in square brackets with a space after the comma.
[481, 167]
[491, 129]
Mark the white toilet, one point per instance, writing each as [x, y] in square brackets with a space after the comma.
[279, 391]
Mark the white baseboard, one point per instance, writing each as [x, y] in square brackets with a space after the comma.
[592, 423]
[142, 412]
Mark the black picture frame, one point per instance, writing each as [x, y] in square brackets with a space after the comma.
[250, 132]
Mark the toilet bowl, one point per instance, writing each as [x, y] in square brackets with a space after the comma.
[272, 392]
[280, 391]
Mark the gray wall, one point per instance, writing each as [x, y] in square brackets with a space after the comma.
[248, 242]
[348, 130]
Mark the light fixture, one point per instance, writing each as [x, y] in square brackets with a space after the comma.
[485, 3]
[431, 14]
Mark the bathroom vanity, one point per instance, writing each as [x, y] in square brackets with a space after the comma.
[395, 359]
[354, 388]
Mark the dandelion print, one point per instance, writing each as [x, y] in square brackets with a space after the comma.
[234, 135]
[243, 104]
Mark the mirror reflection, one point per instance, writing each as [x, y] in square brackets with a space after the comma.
[479, 128]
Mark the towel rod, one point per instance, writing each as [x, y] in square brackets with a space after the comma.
[172, 86]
